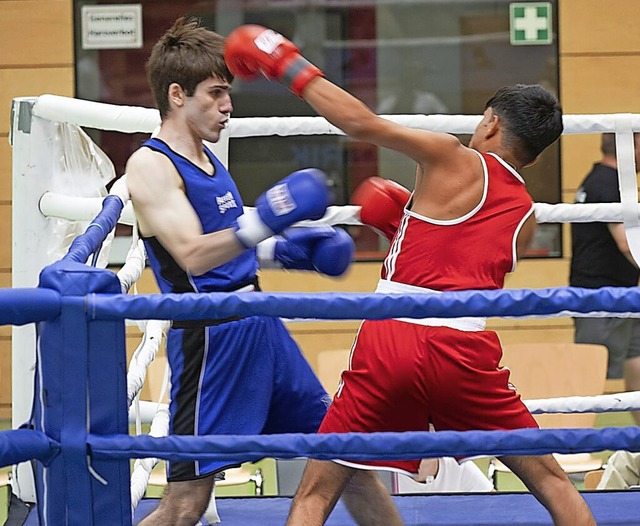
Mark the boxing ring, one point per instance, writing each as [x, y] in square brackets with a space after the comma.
[77, 435]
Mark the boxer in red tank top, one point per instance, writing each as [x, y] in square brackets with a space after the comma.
[467, 221]
[444, 372]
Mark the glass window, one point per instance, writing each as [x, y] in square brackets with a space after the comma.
[422, 56]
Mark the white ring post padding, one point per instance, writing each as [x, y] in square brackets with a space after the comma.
[627, 181]
[32, 150]
[74, 208]
[127, 119]
[114, 117]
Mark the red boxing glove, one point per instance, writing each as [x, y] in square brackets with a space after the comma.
[253, 49]
[382, 203]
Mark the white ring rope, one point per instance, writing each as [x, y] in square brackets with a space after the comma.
[63, 206]
[143, 356]
[130, 119]
[457, 124]
[579, 213]
[133, 266]
[146, 352]
[611, 403]
[142, 467]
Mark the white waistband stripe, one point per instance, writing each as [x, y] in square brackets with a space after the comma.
[463, 324]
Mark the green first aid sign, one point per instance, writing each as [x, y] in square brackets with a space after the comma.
[530, 23]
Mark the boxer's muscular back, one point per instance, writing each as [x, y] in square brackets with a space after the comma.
[473, 250]
[453, 190]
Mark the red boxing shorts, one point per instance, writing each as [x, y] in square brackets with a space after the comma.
[404, 376]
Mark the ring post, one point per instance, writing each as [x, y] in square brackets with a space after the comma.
[28, 257]
[80, 390]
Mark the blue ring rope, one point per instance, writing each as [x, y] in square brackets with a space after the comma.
[20, 445]
[20, 306]
[560, 301]
[90, 241]
[366, 446]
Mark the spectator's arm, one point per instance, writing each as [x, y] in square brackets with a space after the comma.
[618, 234]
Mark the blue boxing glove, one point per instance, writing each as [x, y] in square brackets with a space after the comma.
[333, 255]
[300, 196]
[324, 249]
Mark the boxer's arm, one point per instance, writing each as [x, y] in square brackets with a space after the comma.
[163, 210]
[353, 117]
[253, 49]
[526, 235]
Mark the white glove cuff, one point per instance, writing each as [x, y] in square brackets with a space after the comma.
[251, 230]
[266, 252]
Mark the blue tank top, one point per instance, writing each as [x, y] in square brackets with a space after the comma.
[218, 204]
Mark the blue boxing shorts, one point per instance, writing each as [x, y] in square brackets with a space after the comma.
[242, 377]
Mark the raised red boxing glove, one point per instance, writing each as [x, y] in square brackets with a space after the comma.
[382, 203]
[253, 49]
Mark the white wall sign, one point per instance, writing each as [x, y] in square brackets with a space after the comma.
[112, 26]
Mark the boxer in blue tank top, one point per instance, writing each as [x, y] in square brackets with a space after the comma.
[234, 375]
[222, 378]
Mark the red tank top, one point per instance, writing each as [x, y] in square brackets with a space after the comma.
[472, 252]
